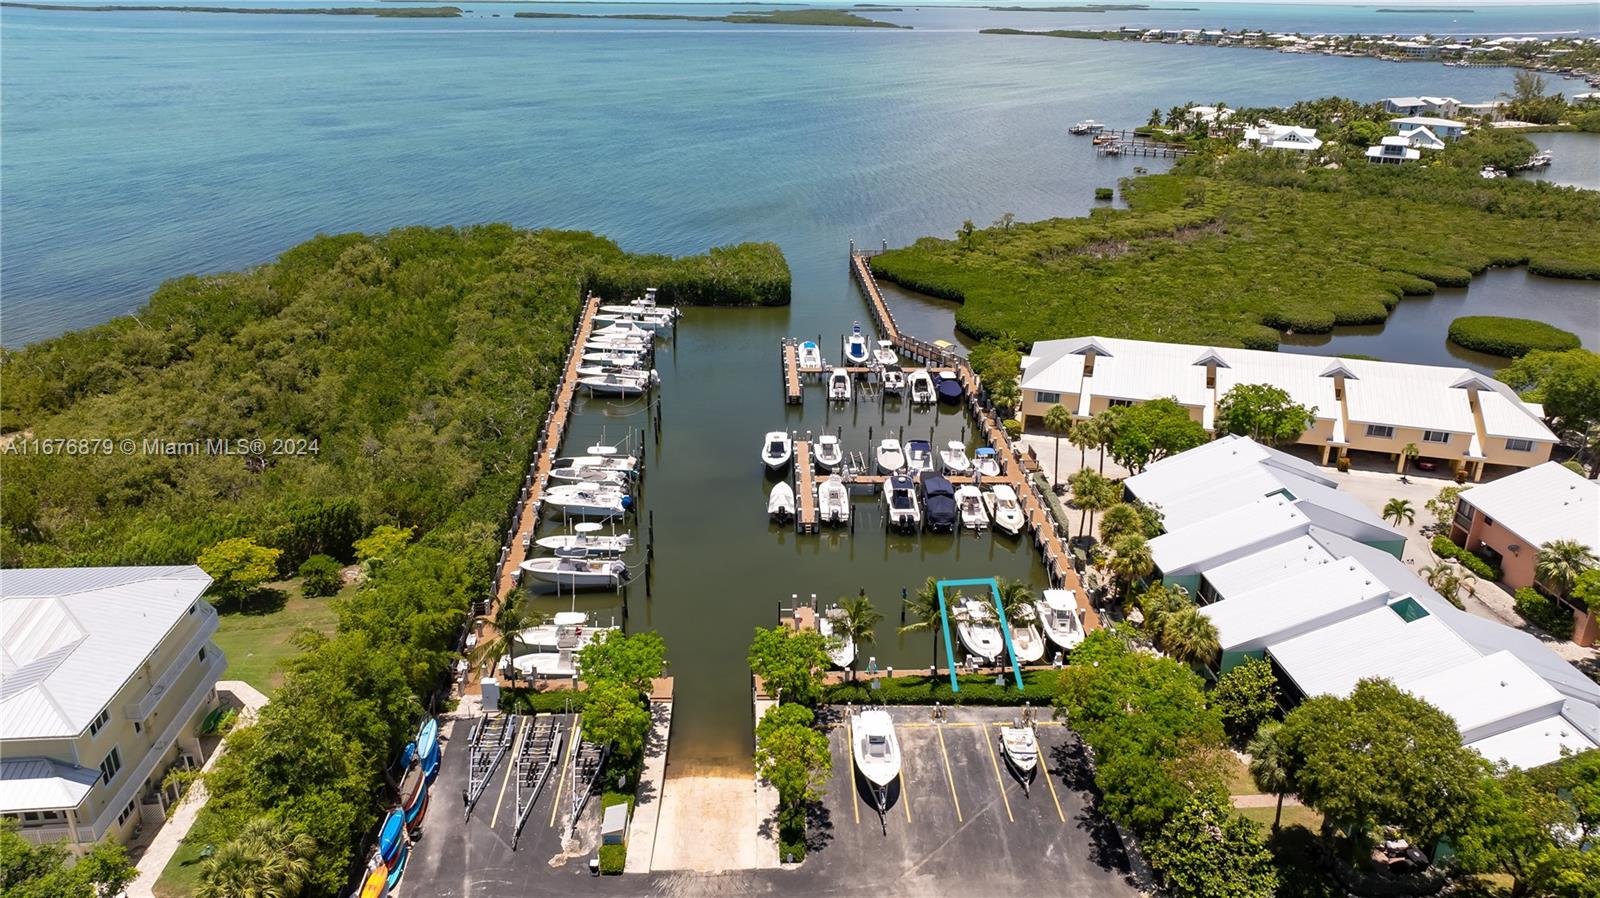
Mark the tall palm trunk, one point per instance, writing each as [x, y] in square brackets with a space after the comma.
[1278, 817]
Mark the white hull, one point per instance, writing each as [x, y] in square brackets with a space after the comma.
[839, 385]
[920, 383]
[986, 464]
[855, 347]
[884, 355]
[777, 450]
[1027, 642]
[894, 381]
[901, 508]
[876, 750]
[551, 650]
[810, 355]
[576, 573]
[953, 458]
[1059, 616]
[574, 500]
[590, 545]
[833, 502]
[780, 502]
[969, 502]
[919, 457]
[624, 463]
[827, 453]
[890, 456]
[1021, 749]
[613, 385]
[979, 631]
[615, 359]
[593, 476]
[841, 648]
[1004, 509]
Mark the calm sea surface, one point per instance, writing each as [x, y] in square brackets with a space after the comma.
[139, 146]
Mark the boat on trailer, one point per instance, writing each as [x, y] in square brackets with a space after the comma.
[1021, 747]
[877, 754]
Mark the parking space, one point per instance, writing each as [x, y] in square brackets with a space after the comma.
[960, 816]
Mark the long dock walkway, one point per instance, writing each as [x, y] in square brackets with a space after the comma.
[1057, 557]
[793, 390]
[805, 488]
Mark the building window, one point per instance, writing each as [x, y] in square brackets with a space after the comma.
[1519, 445]
[126, 813]
[110, 766]
[1121, 403]
[1435, 436]
[101, 721]
[1048, 398]
[1380, 431]
[1463, 515]
[202, 656]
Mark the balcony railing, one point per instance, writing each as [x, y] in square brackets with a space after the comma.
[145, 704]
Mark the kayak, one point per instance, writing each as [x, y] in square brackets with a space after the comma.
[416, 812]
[399, 868]
[428, 748]
[391, 835]
[376, 883]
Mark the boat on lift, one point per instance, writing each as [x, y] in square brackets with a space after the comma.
[594, 476]
[653, 321]
[828, 452]
[646, 303]
[920, 383]
[578, 572]
[839, 385]
[855, 347]
[900, 503]
[953, 459]
[979, 629]
[616, 358]
[1026, 640]
[877, 753]
[841, 648]
[894, 380]
[777, 450]
[606, 460]
[810, 355]
[986, 463]
[883, 356]
[890, 456]
[618, 382]
[948, 386]
[551, 650]
[833, 501]
[582, 500]
[939, 514]
[588, 541]
[780, 502]
[919, 457]
[1004, 509]
[1058, 614]
[1087, 126]
[969, 501]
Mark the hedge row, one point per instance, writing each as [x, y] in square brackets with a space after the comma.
[1483, 570]
[1565, 268]
[1509, 337]
[1039, 689]
[554, 701]
[749, 274]
[1544, 612]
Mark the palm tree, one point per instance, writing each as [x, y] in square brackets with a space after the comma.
[924, 606]
[1269, 765]
[1559, 563]
[1091, 493]
[1131, 560]
[512, 617]
[1084, 434]
[1005, 393]
[1120, 518]
[265, 860]
[1189, 636]
[1448, 581]
[1158, 601]
[860, 623]
[1059, 422]
[1105, 429]
[1399, 511]
[1410, 452]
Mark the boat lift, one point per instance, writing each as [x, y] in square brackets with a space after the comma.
[537, 758]
[587, 763]
[492, 735]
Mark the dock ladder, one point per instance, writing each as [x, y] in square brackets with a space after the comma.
[491, 737]
[537, 758]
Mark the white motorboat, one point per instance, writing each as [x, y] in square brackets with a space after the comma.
[599, 370]
[953, 458]
[608, 460]
[891, 457]
[855, 347]
[595, 476]
[1004, 509]
[833, 501]
[827, 452]
[969, 502]
[577, 573]
[920, 383]
[647, 321]
[780, 502]
[551, 650]
[1058, 614]
[623, 330]
[839, 385]
[894, 380]
[810, 355]
[841, 648]
[919, 457]
[588, 540]
[777, 450]
[645, 303]
[986, 463]
[584, 501]
[979, 629]
[636, 342]
[1021, 748]
[618, 382]
[876, 752]
[900, 503]
[1087, 126]
[884, 355]
[1026, 641]
[616, 358]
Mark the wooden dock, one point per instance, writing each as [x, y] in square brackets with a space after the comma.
[805, 489]
[793, 392]
[1053, 549]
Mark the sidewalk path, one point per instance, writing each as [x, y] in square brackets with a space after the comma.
[647, 803]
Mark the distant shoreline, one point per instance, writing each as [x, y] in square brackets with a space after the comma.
[1426, 9]
[840, 18]
[424, 12]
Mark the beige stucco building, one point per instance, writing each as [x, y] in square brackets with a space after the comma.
[1453, 416]
[105, 677]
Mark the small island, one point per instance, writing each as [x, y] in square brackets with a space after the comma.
[825, 17]
[411, 12]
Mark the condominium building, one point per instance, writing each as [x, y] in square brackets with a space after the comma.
[105, 677]
[1453, 416]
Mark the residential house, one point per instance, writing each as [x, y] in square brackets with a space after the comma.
[1294, 572]
[1268, 136]
[1492, 111]
[106, 675]
[1445, 129]
[1393, 150]
[1510, 520]
[1454, 416]
[1422, 139]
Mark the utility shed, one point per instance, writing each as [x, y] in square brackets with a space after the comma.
[614, 824]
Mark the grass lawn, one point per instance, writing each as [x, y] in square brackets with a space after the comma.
[256, 641]
[182, 874]
[1238, 775]
[1293, 815]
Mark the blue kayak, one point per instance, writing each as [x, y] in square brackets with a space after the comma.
[428, 748]
[416, 809]
[398, 868]
[392, 836]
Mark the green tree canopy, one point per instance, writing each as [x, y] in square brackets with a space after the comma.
[1246, 697]
[1208, 851]
[1264, 413]
[238, 567]
[790, 662]
[632, 659]
[1522, 827]
[792, 755]
[1153, 430]
[265, 860]
[614, 713]
[320, 576]
[48, 871]
[1566, 383]
[382, 544]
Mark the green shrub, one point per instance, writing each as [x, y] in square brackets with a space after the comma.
[1013, 427]
[792, 835]
[1483, 570]
[1544, 612]
[613, 859]
[1039, 688]
[1103, 193]
[1564, 268]
[554, 701]
[1509, 337]
[320, 576]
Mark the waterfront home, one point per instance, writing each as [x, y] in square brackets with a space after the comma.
[1210, 115]
[107, 677]
[1421, 105]
[1509, 521]
[1491, 111]
[1292, 571]
[1421, 139]
[1363, 408]
[1269, 136]
[1393, 150]
[1445, 129]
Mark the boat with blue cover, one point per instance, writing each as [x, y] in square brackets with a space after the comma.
[855, 347]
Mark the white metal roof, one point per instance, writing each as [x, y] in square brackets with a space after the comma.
[1379, 643]
[1302, 601]
[1533, 744]
[71, 637]
[1542, 504]
[1427, 121]
[1486, 693]
[1224, 537]
[1269, 565]
[1505, 416]
[40, 784]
